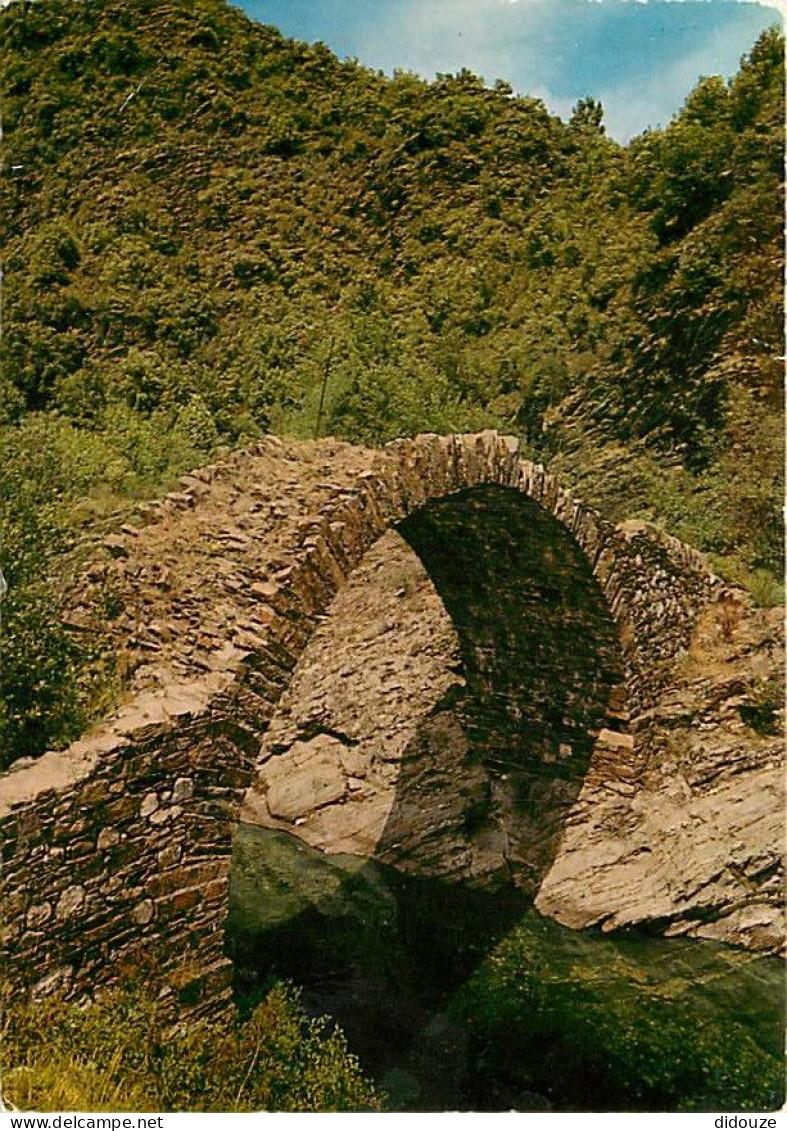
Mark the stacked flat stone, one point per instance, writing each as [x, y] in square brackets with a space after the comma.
[115, 852]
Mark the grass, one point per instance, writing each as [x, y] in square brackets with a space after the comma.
[124, 1054]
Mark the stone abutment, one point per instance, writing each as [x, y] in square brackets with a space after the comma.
[115, 852]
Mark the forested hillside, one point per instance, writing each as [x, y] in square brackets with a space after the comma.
[208, 226]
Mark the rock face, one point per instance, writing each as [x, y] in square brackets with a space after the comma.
[448, 744]
[692, 842]
[684, 839]
[375, 670]
[116, 851]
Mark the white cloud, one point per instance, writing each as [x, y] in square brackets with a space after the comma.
[654, 99]
[445, 36]
[521, 40]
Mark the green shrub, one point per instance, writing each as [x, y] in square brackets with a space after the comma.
[55, 479]
[582, 1020]
[122, 1054]
[761, 709]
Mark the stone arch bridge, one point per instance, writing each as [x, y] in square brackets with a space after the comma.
[639, 794]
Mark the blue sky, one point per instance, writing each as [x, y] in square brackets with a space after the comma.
[640, 57]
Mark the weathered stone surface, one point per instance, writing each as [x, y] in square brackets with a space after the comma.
[693, 842]
[378, 664]
[170, 855]
[39, 914]
[70, 902]
[143, 912]
[108, 838]
[183, 789]
[150, 803]
[220, 591]
[56, 980]
[311, 777]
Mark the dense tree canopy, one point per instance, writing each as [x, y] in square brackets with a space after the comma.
[206, 222]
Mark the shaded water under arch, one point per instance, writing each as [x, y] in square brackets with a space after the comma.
[467, 805]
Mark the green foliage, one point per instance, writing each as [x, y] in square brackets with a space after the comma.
[55, 478]
[761, 709]
[208, 227]
[587, 115]
[619, 1034]
[37, 705]
[122, 1054]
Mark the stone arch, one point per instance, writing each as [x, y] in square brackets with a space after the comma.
[652, 583]
[116, 851]
[460, 757]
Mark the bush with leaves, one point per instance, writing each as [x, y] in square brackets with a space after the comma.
[623, 1034]
[123, 1054]
[57, 479]
[209, 226]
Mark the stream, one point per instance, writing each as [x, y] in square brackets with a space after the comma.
[458, 998]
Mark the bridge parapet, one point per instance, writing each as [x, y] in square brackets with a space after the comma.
[116, 851]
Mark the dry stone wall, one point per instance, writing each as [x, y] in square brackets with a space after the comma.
[442, 717]
[124, 869]
[218, 589]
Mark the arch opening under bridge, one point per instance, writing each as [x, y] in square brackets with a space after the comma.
[117, 850]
